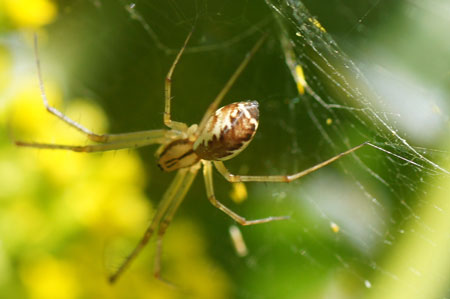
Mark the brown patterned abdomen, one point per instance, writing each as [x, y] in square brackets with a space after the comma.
[228, 131]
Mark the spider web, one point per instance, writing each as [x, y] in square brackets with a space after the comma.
[348, 220]
[338, 90]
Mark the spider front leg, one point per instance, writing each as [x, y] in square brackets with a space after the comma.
[207, 173]
[281, 178]
[102, 138]
[122, 141]
[215, 104]
[168, 89]
[92, 136]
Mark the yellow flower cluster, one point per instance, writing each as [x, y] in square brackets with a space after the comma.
[62, 214]
[27, 13]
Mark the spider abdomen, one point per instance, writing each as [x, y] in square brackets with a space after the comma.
[228, 131]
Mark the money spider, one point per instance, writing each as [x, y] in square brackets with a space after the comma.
[221, 135]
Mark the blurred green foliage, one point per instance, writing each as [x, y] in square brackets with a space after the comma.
[67, 219]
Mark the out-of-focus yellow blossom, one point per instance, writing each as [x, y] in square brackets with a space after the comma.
[27, 114]
[193, 255]
[62, 211]
[5, 68]
[239, 192]
[50, 278]
[334, 227]
[299, 77]
[29, 13]
[317, 24]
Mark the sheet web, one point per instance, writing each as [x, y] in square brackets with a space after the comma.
[345, 218]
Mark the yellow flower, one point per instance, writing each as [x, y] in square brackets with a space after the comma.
[5, 67]
[50, 278]
[29, 13]
[63, 211]
[239, 192]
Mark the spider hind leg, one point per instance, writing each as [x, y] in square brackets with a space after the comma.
[207, 172]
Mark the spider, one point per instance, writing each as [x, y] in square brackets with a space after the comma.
[221, 135]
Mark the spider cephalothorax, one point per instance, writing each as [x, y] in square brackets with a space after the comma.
[178, 154]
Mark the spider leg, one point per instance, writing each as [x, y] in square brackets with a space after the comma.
[280, 178]
[167, 219]
[207, 173]
[215, 104]
[156, 137]
[139, 135]
[92, 136]
[165, 203]
[167, 90]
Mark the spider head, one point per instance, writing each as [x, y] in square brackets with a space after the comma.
[228, 131]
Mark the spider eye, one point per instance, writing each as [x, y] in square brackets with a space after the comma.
[228, 131]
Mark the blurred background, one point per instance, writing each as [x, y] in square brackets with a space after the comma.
[373, 225]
